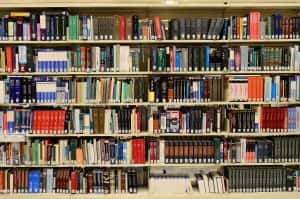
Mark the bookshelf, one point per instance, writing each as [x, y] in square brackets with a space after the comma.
[150, 9]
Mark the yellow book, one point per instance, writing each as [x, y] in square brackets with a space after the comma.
[20, 14]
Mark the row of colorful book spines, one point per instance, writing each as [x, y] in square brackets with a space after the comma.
[64, 181]
[276, 27]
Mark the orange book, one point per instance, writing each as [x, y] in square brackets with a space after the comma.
[261, 89]
[255, 89]
[157, 27]
[250, 88]
[79, 156]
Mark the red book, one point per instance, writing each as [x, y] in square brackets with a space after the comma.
[157, 27]
[5, 122]
[138, 114]
[50, 122]
[142, 151]
[122, 27]
[262, 119]
[73, 182]
[62, 121]
[47, 121]
[9, 59]
[1, 180]
[83, 58]
[55, 120]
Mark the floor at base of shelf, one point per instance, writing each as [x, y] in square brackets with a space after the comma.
[146, 195]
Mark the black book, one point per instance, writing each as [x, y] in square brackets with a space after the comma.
[48, 27]
[187, 28]
[33, 26]
[25, 86]
[193, 28]
[135, 27]
[58, 27]
[164, 90]
[175, 29]
[198, 28]
[182, 31]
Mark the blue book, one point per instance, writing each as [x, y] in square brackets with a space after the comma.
[120, 152]
[224, 33]
[18, 90]
[12, 90]
[201, 90]
[207, 61]
[34, 177]
[274, 88]
[52, 28]
[187, 121]
[124, 157]
[84, 28]
[187, 91]
[177, 60]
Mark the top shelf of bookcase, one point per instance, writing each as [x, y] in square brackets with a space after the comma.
[157, 42]
[155, 4]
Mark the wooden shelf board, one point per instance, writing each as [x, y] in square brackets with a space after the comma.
[229, 41]
[147, 195]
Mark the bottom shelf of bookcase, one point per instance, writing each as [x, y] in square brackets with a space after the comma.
[146, 195]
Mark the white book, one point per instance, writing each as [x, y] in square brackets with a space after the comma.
[124, 59]
[162, 151]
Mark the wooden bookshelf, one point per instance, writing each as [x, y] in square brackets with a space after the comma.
[144, 194]
[149, 73]
[144, 42]
[150, 8]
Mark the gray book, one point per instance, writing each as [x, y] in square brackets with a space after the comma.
[244, 58]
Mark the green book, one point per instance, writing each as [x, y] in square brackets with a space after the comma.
[124, 91]
[78, 58]
[73, 145]
[70, 22]
[217, 143]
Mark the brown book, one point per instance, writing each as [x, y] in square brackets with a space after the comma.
[186, 153]
[101, 120]
[201, 151]
[95, 112]
[116, 21]
[167, 152]
[144, 58]
[176, 156]
[170, 89]
[26, 180]
[90, 183]
[129, 27]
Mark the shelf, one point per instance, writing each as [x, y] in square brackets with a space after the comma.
[12, 138]
[179, 104]
[142, 134]
[7, 138]
[82, 42]
[148, 73]
[152, 165]
[147, 195]
[76, 166]
[166, 104]
[74, 104]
